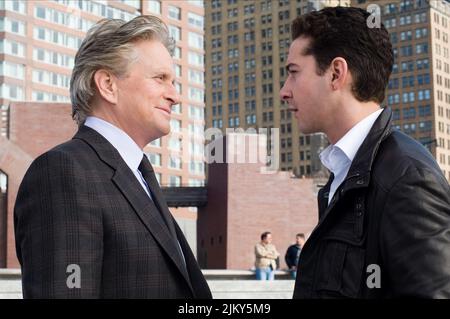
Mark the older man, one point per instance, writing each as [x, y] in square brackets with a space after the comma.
[90, 219]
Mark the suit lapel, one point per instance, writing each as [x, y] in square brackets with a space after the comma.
[147, 212]
[129, 186]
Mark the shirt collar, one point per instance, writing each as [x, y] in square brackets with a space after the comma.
[353, 139]
[122, 142]
[336, 156]
[334, 159]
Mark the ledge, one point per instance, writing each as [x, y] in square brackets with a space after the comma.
[210, 274]
[236, 274]
[224, 284]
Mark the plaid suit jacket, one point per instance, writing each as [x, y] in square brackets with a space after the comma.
[85, 228]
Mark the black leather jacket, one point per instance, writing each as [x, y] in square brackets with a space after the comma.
[392, 211]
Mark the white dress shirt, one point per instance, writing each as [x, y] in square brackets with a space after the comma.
[339, 157]
[130, 152]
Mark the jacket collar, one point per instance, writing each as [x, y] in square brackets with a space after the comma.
[105, 151]
[359, 172]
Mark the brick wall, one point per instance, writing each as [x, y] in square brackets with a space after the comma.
[34, 128]
[243, 203]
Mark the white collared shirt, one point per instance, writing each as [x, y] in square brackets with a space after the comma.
[130, 152]
[339, 157]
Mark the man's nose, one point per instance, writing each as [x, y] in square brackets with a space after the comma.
[284, 93]
[173, 95]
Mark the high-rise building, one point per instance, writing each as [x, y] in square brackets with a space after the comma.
[247, 44]
[38, 42]
[419, 87]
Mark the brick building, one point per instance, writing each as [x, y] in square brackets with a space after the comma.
[31, 133]
[243, 202]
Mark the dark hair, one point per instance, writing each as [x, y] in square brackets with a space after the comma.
[264, 235]
[343, 32]
[300, 235]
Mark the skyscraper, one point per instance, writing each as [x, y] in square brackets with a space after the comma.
[247, 44]
[419, 87]
[246, 47]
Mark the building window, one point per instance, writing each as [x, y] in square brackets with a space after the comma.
[195, 58]
[50, 78]
[175, 32]
[175, 125]
[195, 40]
[18, 6]
[196, 76]
[177, 70]
[424, 110]
[250, 9]
[196, 113]
[12, 47]
[175, 144]
[48, 97]
[57, 37]
[174, 181]
[195, 20]
[53, 57]
[177, 53]
[425, 126]
[178, 87]
[176, 108]
[216, 16]
[12, 70]
[156, 143]
[174, 162]
[154, 6]
[40, 12]
[154, 158]
[14, 26]
[196, 94]
[174, 13]
[132, 3]
[198, 3]
[10, 91]
[421, 48]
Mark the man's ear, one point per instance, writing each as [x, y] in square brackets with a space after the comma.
[339, 73]
[106, 85]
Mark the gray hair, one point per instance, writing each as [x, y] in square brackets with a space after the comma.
[109, 46]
